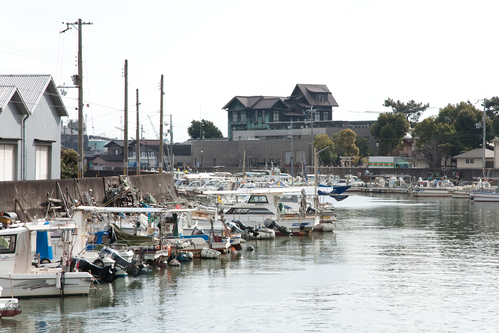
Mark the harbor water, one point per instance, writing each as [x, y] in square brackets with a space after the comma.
[394, 264]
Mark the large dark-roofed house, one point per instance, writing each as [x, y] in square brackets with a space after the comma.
[271, 112]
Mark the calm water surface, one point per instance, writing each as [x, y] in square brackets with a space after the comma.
[394, 264]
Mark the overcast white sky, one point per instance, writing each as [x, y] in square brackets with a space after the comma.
[436, 52]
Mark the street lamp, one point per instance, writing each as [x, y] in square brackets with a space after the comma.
[201, 158]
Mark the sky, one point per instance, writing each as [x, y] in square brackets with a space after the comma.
[435, 52]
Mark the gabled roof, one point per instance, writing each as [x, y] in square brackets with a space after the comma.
[309, 91]
[32, 88]
[476, 153]
[256, 102]
[110, 158]
[120, 143]
[11, 94]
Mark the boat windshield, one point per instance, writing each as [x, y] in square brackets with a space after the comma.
[258, 199]
[8, 244]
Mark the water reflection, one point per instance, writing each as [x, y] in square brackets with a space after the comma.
[395, 263]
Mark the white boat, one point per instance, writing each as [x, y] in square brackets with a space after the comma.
[434, 188]
[265, 205]
[165, 241]
[19, 278]
[484, 192]
[9, 307]
[484, 196]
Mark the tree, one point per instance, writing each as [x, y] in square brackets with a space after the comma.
[322, 141]
[492, 106]
[390, 129]
[203, 129]
[411, 110]
[434, 140]
[363, 145]
[495, 125]
[344, 143]
[69, 163]
[467, 121]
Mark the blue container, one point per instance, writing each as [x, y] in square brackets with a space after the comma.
[100, 234]
[43, 247]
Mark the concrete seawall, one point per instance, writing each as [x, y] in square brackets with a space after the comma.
[31, 196]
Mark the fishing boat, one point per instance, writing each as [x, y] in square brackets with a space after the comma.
[266, 205]
[20, 278]
[433, 188]
[484, 192]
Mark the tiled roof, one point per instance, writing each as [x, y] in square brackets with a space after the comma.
[476, 153]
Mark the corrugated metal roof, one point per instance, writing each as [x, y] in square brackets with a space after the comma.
[8, 94]
[32, 88]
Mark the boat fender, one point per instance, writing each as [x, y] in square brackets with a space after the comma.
[250, 248]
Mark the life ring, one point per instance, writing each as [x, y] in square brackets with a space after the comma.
[272, 180]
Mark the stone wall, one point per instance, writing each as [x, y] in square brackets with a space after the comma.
[31, 196]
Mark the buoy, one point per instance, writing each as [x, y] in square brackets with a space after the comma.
[250, 248]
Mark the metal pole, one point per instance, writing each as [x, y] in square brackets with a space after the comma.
[160, 170]
[125, 129]
[137, 141]
[292, 155]
[316, 176]
[483, 143]
[172, 161]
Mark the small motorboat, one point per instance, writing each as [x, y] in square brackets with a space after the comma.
[8, 306]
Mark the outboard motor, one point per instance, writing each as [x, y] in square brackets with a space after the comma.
[249, 231]
[234, 227]
[103, 274]
[271, 224]
[197, 231]
[134, 268]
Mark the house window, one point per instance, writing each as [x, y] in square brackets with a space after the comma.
[472, 161]
[234, 117]
[276, 115]
[42, 162]
[317, 116]
[322, 97]
[467, 161]
[7, 162]
[263, 116]
[243, 116]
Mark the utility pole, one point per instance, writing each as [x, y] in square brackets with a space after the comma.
[312, 113]
[291, 159]
[137, 139]
[160, 170]
[171, 144]
[125, 127]
[79, 83]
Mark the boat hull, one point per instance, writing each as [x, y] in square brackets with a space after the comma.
[485, 197]
[432, 193]
[46, 284]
